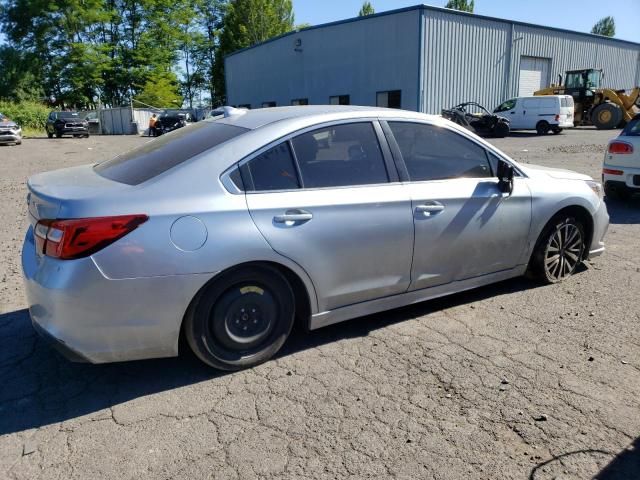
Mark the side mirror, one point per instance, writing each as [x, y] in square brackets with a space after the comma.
[505, 177]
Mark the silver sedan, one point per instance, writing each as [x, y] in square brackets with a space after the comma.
[230, 230]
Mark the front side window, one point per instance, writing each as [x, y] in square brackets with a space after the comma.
[506, 106]
[390, 99]
[435, 153]
[167, 151]
[273, 170]
[633, 128]
[340, 100]
[340, 155]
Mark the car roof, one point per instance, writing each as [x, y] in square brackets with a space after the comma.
[253, 119]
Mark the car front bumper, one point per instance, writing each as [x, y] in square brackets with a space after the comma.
[91, 317]
[10, 137]
[600, 227]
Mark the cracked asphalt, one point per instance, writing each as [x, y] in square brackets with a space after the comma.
[510, 381]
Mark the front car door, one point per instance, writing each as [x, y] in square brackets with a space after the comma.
[465, 226]
[329, 199]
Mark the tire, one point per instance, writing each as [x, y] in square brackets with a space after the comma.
[606, 116]
[241, 319]
[556, 130]
[501, 130]
[542, 128]
[58, 135]
[553, 238]
[49, 134]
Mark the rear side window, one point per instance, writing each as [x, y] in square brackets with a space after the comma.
[435, 153]
[165, 152]
[273, 170]
[340, 155]
[632, 129]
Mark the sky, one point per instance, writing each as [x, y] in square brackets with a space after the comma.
[578, 15]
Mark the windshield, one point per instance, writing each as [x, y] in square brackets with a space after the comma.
[506, 106]
[68, 115]
[632, 129]
[167, 151]
[593, 79]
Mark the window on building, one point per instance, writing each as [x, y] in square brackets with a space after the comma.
[268, 104]
[273, 170]
[340, 100]
[300, 101]
[506, 106]
[340, 155]
[390, 99]
[435, 153]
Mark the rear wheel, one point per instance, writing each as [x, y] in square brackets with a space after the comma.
[559, 249]
[606, 116]
[542, 128]
[242, 319]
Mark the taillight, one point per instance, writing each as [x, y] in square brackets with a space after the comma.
[557, 118]
[620, 147]
[81, 237]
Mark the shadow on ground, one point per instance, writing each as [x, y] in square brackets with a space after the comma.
[623, 212]
[39, 387]
[624, 466]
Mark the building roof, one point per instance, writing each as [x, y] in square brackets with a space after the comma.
[435, 9]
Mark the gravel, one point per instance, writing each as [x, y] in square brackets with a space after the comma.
[409, 393]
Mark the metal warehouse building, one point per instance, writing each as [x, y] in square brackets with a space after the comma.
[420, 58]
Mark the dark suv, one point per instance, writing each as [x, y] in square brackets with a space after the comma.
[67, 123]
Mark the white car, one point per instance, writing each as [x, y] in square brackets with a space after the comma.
[621, 168]
[544, 114]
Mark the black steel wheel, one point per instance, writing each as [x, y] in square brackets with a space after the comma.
[543, 127]
[242, 319]
[559, 250]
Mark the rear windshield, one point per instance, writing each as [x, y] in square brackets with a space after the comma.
[167, 151]
[633, 128]
[68, 114]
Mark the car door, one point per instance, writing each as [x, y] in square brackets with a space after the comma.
[530, 112]
[329, 199]
[464, 225]
[509, 110]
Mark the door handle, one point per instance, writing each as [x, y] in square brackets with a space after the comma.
[293, 216]
[430, 209]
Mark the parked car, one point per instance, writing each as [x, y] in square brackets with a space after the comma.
[621, 167]
[93, 119]
[168, 122]
[227, 230]
[478, 119]
[10, 131]
[543, 114]
[67, 123]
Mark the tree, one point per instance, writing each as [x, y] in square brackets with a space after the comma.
[606, 26]
[366, 9]
[160, 90]
[462, 5]
[246, 23]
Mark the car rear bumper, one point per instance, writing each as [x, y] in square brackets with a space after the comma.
[630, 177]
[90, 317]
[600, 227]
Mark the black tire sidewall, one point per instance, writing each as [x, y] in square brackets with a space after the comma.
[197, 331]
[542, 127]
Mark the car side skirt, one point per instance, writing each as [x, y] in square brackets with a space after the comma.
[324, 319]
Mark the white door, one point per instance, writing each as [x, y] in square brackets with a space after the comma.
[534, 75]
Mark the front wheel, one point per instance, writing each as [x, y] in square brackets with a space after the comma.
[559, 250]
[242, 319]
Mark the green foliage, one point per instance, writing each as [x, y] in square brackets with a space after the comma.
[462, 5]
[29, 115]
[366, 9]
[160, 91]
[605, 26]
[246, 23]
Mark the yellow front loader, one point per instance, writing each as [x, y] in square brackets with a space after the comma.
[595, 105]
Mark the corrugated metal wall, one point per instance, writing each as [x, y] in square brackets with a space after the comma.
[470, 58]
[355, 58]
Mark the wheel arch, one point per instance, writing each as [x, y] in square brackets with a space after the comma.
[579, 212]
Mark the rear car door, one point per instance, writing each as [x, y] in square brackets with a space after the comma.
[329, 199]
[464, 225]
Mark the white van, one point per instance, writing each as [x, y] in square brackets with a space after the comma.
[544, 114]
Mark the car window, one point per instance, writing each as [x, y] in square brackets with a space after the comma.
[340, 155]
[436, 153]
[165, 152]
[506, 106]
[273, 170]
[633, 128]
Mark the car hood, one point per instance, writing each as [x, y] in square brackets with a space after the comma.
[8, 123]
[538, 171]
